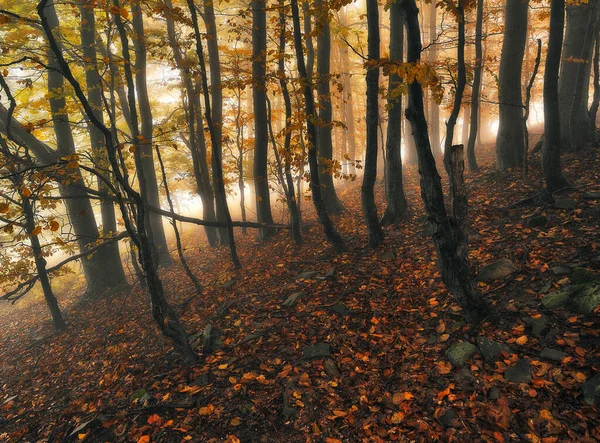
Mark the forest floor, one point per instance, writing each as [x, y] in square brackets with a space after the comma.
[378, 326]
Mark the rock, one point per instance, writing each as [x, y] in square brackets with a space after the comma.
[519, 373]
[459, 353]
[389, 256]
[203, 380]
[591, 390]
[560, 270]
[331, 368]
[538, 325]
[555, 300]
[494, 393]
[592, 195]
[565, 203]
[318, 350]
[585, 299]
[537, 221]
[307, 275]
[497, 270]
[229, 283]
[490, 349]
[581, 276]
[448, 417]
[330, 272]
[553, 354]
[210, 340]
[546, 287]
[292, 300]
[341, 309]
[249, 338]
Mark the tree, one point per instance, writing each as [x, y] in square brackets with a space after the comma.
[553, 174]
[510, 144]
[476, 89]
[261, 136]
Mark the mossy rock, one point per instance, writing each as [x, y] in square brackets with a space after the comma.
[581, 276]
[459, 353]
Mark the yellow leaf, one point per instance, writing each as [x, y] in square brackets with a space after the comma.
[206, 410]
[546, 414]
[444, 337]
[580, 377]
[124, 13]
[521, 340]
[25, 192]
[236, 421]
[397, 418]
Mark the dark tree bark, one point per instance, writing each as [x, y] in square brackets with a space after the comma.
[552, 138]
[113, 264]
[476, 91]
[394, 190]
[330, 232]
[596, 101]
[261, 136]
[324, 142]
[527, 103]
[573, 86]
[434, 107]
[163, 315]
[145, 145]
[217, 161]
[509, 142]
[447, 232]
[310, 47]
[370, 175]
[196, 132]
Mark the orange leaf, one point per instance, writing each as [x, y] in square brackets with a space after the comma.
[144, 439]
[154, 419]
[521, 340]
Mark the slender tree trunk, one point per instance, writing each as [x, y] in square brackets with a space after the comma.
[509, 142]
[476, 90]
[261, 141]
[596, 101]
[395, 198]
[348, 97]
[330, 232]
[447, 232]
[324, 142]
[552, 138]
[434, 107]
[113, 265]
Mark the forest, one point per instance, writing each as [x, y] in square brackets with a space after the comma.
[299, 221]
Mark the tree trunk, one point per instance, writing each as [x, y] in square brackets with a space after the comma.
[370, 174]
[145, 146]
[510, 144]
[395, 198]
[552, 128]
[330, 232]
[196, 133]
[573, 87]
[446, 231]
[596, 101]
[113, 263]
[348, 97]
[434, 107]
[324, 142]
[476, 90]
[261, 146]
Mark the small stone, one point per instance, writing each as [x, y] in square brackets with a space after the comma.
[432, 339]
[292, 300]
[519, 373]
[560, 270]
[459, 353]
[331, 368]
[565, 203]
[318, 350]
[341, 309]
[497, 270]
[208, 339]
[448, 417]
[389, 255]
[494, 393]
[307, 275]
[553, 354]
[330, 273]
[546, 287]
[490, 349]
[537, 221]
[592, 195]
[555, 300]
[591, 390]
[539, 325]
[229, 283]
[581, 275]
[203, 380]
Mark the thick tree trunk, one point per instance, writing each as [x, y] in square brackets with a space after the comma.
[509, 142]
[395, 198]
[216, 92]
[552, 128]
[330, 232]
[145, 146]
[476, 90]
[261, 141]
[113, 264]
[196, 133]
[370, 174]
[448, 232]
[573, 87]
[324, 142]
[79, 208]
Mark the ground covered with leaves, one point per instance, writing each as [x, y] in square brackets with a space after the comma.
[310, 346]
